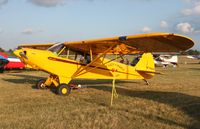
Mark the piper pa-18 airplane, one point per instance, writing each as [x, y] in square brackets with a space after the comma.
[87, 59]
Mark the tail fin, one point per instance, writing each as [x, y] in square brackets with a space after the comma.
[146, 66]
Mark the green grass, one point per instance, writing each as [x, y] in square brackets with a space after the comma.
[171, 101]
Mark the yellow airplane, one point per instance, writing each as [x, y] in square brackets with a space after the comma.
[87, 59]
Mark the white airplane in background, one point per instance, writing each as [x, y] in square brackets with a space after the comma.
[166, 60]
[193, 57]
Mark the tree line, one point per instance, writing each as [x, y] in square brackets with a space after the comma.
[8, 52]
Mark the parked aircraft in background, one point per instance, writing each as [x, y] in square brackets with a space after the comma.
[193, 57]
[166, 60]
[12, 62]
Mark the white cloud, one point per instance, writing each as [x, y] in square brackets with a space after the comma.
[47, 3]
[191, 1]
[146, 29]
[51, 3]
[188, 1]
[2, 2]
[163, 24]
[185, 27]
[187, 12]
[29, 31]
[195, 10]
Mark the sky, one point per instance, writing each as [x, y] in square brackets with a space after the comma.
[43, 21]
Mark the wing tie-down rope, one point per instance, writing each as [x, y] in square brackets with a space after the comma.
[114, 91]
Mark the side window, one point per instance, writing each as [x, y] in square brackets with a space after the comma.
[67, 53]
[85, 58]
[63, 53]
[71, 55]
[56, 48]
[75, 55]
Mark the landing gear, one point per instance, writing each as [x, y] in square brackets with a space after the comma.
[63, 89]
[59, 84]
[41, 84]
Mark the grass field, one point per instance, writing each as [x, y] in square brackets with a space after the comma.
[172, 101]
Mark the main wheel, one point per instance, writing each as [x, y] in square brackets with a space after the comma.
[40, 84]
[63, 89]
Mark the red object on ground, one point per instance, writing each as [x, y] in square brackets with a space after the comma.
[14, 63]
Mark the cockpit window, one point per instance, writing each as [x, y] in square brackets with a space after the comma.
[56, 48]
[63, 51]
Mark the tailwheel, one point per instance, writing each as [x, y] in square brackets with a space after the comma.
[40, 84]
[64, 89]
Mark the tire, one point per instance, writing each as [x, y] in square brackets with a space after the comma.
[40, 84]
[63, 89]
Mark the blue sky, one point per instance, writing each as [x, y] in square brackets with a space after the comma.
[42, 21]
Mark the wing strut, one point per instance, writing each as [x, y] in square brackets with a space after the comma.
[97, 66]
[91, 56]
[88, 65]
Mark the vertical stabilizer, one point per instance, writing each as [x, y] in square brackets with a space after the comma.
[146, 66]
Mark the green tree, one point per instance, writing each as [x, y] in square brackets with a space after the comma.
[2, 50]
[193, 52]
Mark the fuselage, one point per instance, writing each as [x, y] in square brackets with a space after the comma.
[64, 67]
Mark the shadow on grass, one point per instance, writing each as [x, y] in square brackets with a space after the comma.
[100, 81]
[187, 103]
[30, 79]
[195, 68]
[21, 79]
[91, 83]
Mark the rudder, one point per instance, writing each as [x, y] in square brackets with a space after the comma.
[146, 66]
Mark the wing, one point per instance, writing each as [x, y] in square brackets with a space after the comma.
[153, 42]
[37, 46]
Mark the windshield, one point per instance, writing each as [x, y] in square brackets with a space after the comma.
[56, 48]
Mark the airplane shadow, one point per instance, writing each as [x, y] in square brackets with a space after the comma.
[101, 81]
[195, 68]
[30, 79]
[21, 79]
[91, 83]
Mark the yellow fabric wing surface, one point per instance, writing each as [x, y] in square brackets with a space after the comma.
[153, 42]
